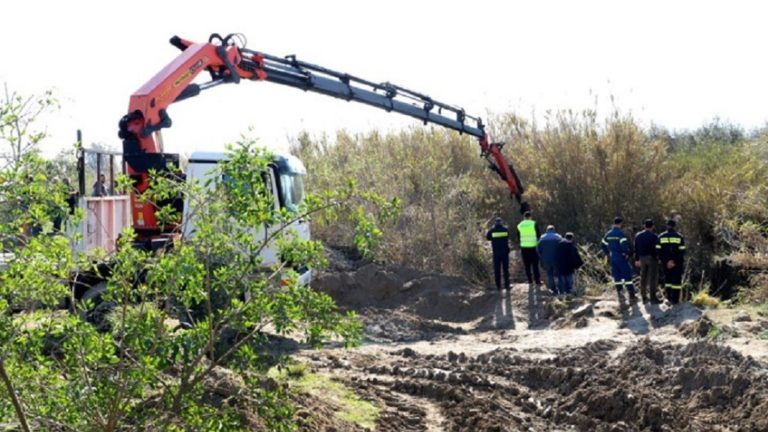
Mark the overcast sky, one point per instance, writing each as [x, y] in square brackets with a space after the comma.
[678, 64]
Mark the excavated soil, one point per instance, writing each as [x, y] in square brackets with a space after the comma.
[442, 354]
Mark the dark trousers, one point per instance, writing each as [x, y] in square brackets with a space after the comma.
[622, 275]
[649, 276]
[673, 295]
[531, 264]
[501, 263]
[565, 283]
[551, 276]
[673, 282]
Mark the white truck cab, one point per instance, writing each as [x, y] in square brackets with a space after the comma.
[286, 183]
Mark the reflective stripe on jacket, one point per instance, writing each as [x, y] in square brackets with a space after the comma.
[671, 246]
[615, 243]
[499, 238]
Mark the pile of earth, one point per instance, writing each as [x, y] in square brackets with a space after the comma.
[403, 304]
[649, 386]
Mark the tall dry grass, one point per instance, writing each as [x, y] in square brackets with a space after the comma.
[579, 171]
[441, 182]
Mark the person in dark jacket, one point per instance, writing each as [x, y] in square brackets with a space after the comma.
[616, 246]
[547, 249]
[100, 187]
[671, 250]
[646, 259]
[568, 261]
[499, 238]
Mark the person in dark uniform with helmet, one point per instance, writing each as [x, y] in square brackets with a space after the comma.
[671, 248]
[499, 238]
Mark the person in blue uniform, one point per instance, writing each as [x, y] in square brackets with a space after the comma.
[616, 246]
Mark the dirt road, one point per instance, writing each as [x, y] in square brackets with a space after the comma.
[441, 354]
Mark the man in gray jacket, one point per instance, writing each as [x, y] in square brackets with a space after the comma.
[547, 248]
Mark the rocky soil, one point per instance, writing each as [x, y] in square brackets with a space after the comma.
[443, 355]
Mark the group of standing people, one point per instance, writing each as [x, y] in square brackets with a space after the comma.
[557, 254]
[665, 251]
[560, 258]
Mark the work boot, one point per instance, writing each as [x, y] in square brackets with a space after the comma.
[622, 304]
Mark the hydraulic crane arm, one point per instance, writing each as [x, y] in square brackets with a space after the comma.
[228, 61]
[309, 77]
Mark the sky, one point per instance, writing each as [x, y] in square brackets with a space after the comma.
[678, 64]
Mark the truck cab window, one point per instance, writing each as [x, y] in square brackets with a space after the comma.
[292, 191]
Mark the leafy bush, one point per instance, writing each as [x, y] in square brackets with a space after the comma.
[141, 371]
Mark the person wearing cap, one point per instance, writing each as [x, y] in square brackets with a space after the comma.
[529, 233]
[646, 259]
[671, 249]
[568, 261]
[499, 238]
[616, 246]
[547, 250]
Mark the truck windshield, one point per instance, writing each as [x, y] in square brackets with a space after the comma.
[292, 190]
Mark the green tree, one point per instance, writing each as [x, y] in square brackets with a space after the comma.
[18, 117]
[177, 321]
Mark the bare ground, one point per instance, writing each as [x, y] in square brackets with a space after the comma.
[442, 354]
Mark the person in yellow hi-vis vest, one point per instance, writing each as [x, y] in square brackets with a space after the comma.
[499, 238]
[529, 235]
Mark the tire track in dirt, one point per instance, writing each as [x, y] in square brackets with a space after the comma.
[449, 357]
[649, 386]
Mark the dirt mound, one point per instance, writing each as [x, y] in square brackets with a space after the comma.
[677, 315]
[697, 328]
[398, 326]
[316, 414]
[429, 295]
[398, 303]
[649, 386]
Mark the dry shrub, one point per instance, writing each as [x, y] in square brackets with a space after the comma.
[579, 173]
[593, 276]
[719, 193]
[757, 293]
[440, 180]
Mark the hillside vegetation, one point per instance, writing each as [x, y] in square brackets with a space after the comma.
[580, 171]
